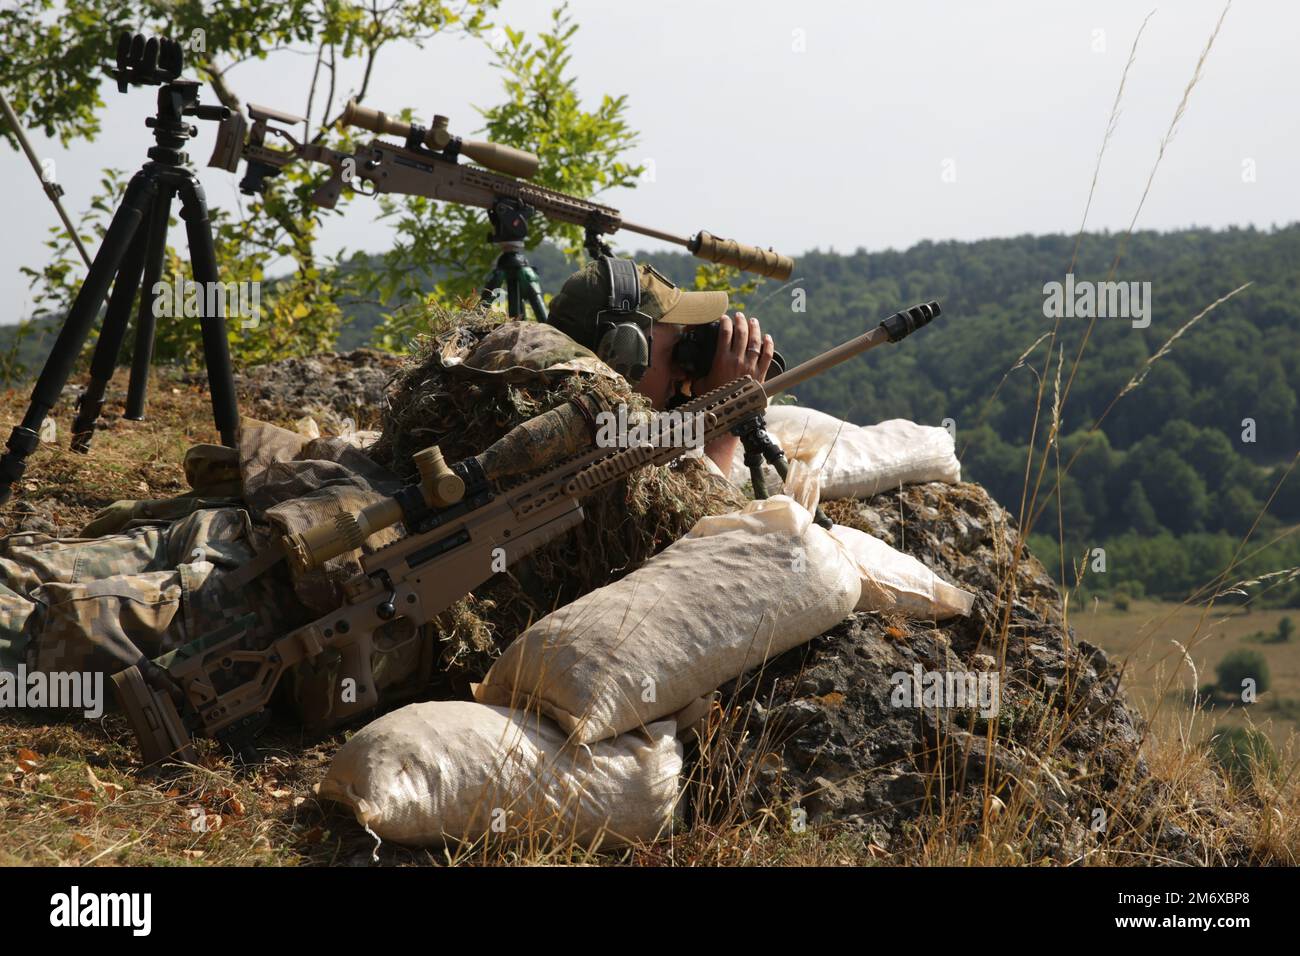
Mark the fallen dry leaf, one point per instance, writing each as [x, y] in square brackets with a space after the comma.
[28, 760]
[112, 790]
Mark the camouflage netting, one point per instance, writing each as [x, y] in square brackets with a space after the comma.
[625, 524]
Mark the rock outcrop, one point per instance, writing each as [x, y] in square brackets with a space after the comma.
[826, 729]
[333, 387]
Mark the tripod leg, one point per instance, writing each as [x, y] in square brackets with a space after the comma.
[537, 304]
[146, 321]
[107, 350]
[216, 348]
[514, 298]
[25, 437]
[532, 292]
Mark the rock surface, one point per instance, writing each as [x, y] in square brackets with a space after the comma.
[825, 731]
[334, 388]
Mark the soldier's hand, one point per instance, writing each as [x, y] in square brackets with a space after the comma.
[743, 349]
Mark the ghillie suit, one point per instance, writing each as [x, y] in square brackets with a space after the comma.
[471, 380]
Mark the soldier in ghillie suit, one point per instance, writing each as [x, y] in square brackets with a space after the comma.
[149, 576]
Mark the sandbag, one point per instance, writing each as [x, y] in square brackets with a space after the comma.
[853, 461]
[736, 590]
[894, 581]
[455, 771]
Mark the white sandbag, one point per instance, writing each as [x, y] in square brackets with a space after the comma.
[736, 590]
[451, 771]
[894, 581]
[853, 461]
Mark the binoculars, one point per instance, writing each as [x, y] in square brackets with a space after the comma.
[698, 346]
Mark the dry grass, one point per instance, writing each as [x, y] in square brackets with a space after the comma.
[1184, 795]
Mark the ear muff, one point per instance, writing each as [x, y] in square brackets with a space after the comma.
[623, 334]
[625, 349]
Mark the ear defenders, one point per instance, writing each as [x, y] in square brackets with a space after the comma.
[623, 332]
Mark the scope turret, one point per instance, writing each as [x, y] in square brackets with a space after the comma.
[503, 159]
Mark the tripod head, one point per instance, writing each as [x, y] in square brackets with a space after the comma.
[158, 61]
[509, 218]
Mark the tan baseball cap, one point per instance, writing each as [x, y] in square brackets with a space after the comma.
[586, 293]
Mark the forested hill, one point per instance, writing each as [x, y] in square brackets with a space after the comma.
[1172, 483]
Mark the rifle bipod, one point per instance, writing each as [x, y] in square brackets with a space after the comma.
[761, 447]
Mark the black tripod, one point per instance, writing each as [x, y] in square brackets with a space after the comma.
[509, 218]
[129, 252]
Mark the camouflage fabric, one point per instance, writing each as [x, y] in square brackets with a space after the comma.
[292, 483]
[78, 604]
[212, 472]
[149, 579]
[522, 353]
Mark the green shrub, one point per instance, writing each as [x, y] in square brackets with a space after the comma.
[1243, 752]
[1285, 628]
[1237, 667]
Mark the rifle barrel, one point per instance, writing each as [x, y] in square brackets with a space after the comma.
[656, 233]
[897, 326]
[763, 262]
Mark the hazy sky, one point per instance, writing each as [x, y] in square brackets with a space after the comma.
[872, 124]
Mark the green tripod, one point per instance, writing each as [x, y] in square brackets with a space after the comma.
[512, 272]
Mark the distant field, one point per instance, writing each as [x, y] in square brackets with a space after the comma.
[1159, 679]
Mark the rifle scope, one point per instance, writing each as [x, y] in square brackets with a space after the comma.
[503, 159]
